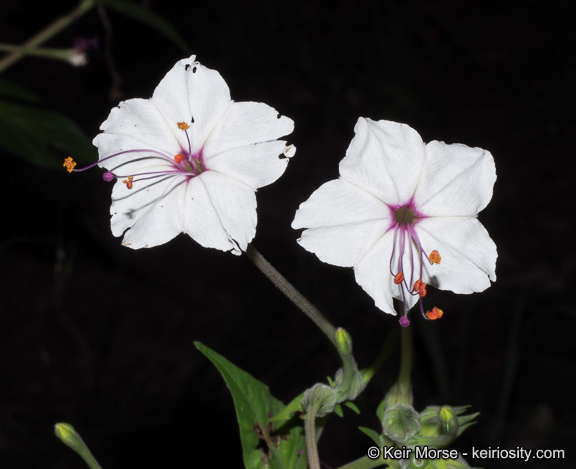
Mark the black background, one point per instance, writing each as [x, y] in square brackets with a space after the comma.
[101, 336]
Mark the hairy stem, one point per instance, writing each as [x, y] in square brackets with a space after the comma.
[293, 295]
[311, 441]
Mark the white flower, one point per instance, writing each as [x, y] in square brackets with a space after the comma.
[398, 206]
[190, 160]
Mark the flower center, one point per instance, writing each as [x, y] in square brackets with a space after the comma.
[405, 216]
[408, 258]
[192, 164]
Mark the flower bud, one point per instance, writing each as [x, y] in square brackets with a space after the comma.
[348, 383]
[440, 426]
[449, 420]
[70, 437]
[343, 342]
[66, 433]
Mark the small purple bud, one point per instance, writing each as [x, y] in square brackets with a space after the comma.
[108, 176]
[404, 321]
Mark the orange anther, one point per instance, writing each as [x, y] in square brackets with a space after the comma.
[128, 182]
[179, 157]
[435, 257]
[436, 313]
[420, 287]
[183, 126]
[398, 278]
[69, 164]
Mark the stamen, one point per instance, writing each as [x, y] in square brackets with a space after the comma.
[420, 288]
[69, 164]
[186, 164]
[398, 278]
[435, 257]
[410, 273]
[417, 284]
[436, 313]
[184, 126]
[128, 182]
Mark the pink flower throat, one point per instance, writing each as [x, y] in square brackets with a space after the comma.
[407, 246]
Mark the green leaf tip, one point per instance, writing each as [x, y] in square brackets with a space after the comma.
[264, 443]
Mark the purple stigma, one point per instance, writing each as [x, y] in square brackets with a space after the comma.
[404, 321]
[108, 176]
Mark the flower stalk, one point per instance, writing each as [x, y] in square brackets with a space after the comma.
[293, 295]
[318, 402]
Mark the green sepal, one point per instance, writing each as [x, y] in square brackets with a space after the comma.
[254, 405]
[381, 409]
[338, 411]
[400, 423]
[352, 406]
[320, 400]
[373, 435]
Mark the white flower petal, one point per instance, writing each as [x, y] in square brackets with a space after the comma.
[220, 212]
[343, 222]
[256, 165]
[343, 245]
[247, 123]
[457, 180]
[468, 254]
[384, 158]
[151, 211]
[339, 202]
[193, 94]
[134, 124]
[373, 274]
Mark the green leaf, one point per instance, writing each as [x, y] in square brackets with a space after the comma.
[15, 92]
[254, 406]
[41, 136]
[148, 18]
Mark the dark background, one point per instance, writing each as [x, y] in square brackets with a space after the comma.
[98, 335]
